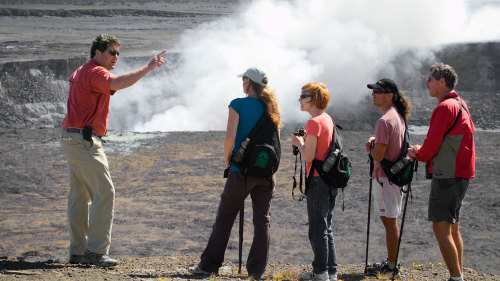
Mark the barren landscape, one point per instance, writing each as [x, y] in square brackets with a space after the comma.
[168, 183]
[167, 198]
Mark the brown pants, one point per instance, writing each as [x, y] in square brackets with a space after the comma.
[234, 194]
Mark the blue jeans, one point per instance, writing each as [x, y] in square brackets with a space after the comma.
[320, 204]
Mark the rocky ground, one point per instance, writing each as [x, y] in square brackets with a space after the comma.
[167, 190]
[63, 28]
[175, 268]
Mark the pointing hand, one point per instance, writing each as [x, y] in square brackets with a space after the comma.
[158, 60]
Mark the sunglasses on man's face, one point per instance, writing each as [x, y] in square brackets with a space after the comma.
[380, 92]
[304, 96]
[113, 52]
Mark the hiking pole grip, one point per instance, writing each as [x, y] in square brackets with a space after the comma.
[240, 244]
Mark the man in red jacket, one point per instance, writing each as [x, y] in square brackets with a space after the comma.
[91, 197]
[449, 149]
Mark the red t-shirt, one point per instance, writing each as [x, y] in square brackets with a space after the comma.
[89, 95]
[320, 126]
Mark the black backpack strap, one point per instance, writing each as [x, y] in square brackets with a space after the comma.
[254, 131]
[250, 136]
[405, 139]
[298, 156]
[456, 119]
[309, 177]
[335, 138]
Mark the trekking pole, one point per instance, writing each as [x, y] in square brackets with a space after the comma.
[408, 190]
[240, 250]
[369, 212]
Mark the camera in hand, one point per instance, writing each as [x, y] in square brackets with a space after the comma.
[299, 132]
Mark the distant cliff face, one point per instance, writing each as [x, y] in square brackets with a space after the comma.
[477, 65]
[478, 69]
[34, 93]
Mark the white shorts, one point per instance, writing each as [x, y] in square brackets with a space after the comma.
[387, 198]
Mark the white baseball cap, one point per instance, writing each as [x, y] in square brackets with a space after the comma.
[255, 74]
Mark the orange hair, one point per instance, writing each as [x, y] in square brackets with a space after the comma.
[320, 97]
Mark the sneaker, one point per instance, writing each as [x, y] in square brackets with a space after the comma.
[332, 277]
[76, 259]
[372, 270]
[196, 270]
[98, 259]
[385, 270]
[381, 269]
[314, 276]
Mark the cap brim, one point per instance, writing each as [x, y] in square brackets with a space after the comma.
[374, 86]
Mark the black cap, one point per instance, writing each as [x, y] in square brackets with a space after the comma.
[384, 85]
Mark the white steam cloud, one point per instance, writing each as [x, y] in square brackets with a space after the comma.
[344, 44]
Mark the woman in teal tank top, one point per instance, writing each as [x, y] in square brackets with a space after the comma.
[243, 115]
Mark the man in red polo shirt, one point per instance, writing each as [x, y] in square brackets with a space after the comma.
[449, 147]
[92, 194]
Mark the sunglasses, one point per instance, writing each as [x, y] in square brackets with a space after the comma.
[113, 52]
[380, 92]
[304, 96]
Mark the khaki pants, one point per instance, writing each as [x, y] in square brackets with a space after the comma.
[91, 197]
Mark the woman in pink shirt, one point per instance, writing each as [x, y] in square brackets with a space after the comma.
[316, 144]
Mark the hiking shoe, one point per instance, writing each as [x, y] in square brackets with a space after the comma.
[372, 270]
[196, 270]
[382, 269]
[75, 259]
[385, 270]
[98, 259]
[311, 276]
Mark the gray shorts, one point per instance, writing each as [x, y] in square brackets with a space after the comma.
[446, 199]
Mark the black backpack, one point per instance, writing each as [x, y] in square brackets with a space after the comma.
[262, 154]
[340, 172]
[404, 175]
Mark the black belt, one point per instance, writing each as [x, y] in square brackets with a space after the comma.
[79, 130]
